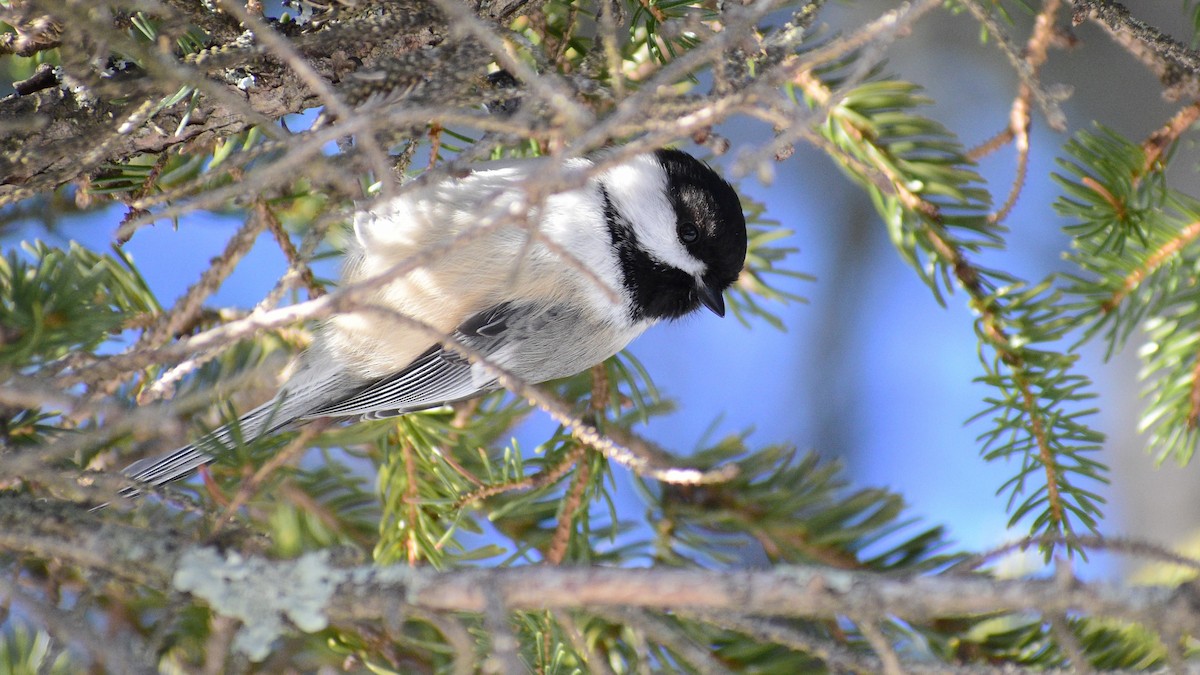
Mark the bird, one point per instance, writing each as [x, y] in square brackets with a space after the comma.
[540, 292]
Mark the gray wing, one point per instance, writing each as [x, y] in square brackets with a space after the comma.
[437, 377]
[535, 342]
[441, 375]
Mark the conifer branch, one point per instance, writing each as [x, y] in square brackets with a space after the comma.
[999, 140]
[930, 225]
[297, 262]
[537, 481]
[277, 45]
[1151, 263]
[186, 308]
[459, 508]
[287, 455]
[1162, 140]
[411, 501]
[1193, 414]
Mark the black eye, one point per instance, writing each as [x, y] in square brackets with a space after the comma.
[688, 233]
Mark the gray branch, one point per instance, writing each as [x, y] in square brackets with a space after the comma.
[272, 597]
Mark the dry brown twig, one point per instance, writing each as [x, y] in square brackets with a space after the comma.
[1027, 63]
[568, 509]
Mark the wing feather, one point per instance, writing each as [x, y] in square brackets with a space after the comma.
[436, 378]
[536, 341]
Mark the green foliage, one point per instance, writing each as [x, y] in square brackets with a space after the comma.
[764, 260]
[890, 150]
[1170, 383]
[1058, 455]
[26, 651]
[421, 515]
[1135, 246]
[172, 177]
[1193, 11]
[789, 509]
[338, 509]
[645, 31]
[1029, 641]
[1108, 192]
[54, 302]
[925, 188]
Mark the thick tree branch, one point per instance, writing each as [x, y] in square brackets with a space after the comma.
[254, 588]
[72, 130]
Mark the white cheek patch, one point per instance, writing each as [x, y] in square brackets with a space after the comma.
[638, 189]
[574, 221]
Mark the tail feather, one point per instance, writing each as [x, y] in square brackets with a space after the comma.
[178, 463]
[310, 389]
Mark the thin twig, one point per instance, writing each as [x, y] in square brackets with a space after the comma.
[550, 88]
[288, 454]
[663, 632]
[594, 662]
[1028, 61]
[70, 628]
[1127, 546]
[1176, 66]
[972, 280]
[547, 476]
[1152, 262]
[800, 69]
[505, 657]
[568, 509]
[1001, 139]
[1060, 627]
[462, 643]
[782, 633]
[187, 306]
[412, 496]
[879, 643]
[1160, 141]
[612, 53]
[297, 264]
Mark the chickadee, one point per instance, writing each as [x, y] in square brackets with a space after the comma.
[662, 231]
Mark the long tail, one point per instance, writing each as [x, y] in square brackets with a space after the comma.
[311, 388]
[178, 463]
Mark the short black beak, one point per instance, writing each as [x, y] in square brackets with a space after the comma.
[712, 298]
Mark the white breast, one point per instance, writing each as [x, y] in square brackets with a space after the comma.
[469, 243]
